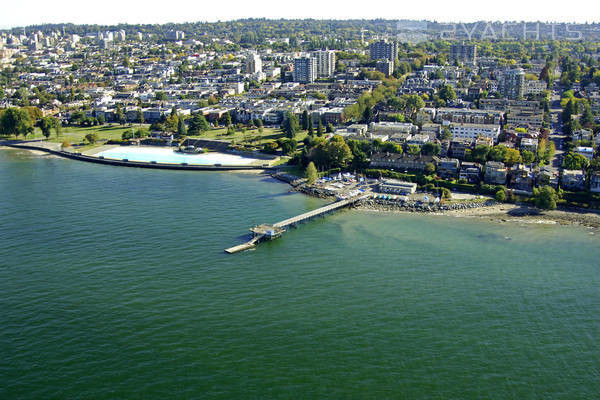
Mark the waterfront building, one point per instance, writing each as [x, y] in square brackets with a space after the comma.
[397, 187]
[448, 168]
[495, 173]
[470, 171]
[573, 179]
[595, 182]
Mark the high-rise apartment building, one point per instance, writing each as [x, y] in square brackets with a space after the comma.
[305, 69]
[463, 53]
[512, 83]
[253, 64]
[383, 49]
[325, 62]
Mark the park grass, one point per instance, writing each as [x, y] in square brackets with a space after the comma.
[76, 134]
[251, 136]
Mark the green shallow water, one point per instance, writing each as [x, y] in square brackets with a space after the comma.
[114, 284]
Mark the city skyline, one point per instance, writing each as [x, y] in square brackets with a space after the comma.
[153, 12]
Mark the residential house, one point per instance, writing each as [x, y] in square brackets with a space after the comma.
[529, 144]
[587, 152]
[547, 176]
[573, 179]
[595, 182]
[582, 134]
[470, 171]
[495, 173]
[448, 168]
[401, 161]
[458, 147]
[522, 179]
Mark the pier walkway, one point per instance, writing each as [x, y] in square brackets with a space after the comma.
[318, 212]
[271, 231]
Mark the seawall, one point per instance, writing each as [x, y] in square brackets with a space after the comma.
[137, 164]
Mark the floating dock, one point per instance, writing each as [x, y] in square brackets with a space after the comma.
[272, 231]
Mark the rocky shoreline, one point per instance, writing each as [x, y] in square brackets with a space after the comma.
[489, 209]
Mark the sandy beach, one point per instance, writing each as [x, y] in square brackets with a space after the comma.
[512, 213]
[527, 214]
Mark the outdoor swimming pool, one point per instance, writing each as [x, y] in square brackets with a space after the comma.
[168, 155]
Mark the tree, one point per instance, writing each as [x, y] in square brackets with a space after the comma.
[46, 124]
[500, 196]
[305, 120]
[91, 137]
[546, 151]
[587, 118]
[311, 173]
[367, 114]
[545, 198]
[198, 124]
[226, 119]
[512, 156]
[120, 116]
[447, 93]
[290, 125]
[172, 122]
[140, 116]
[446, 134]
[413, 104]
[391, 147]
[340, 154]
[288, 146]
[413, 149]
[335, 153]
[329, 128]
[480, 153]
[431, 149]
[575, 161]
[429, 168]
[309, 125]
[527, 156]
[34, 112]
[497, 153]
[181, 129]
[15, 121]
[320, 129]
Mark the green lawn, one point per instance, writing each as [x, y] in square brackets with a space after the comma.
[251, 136]
[75, 134]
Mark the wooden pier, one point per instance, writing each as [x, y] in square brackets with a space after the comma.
[272, 231]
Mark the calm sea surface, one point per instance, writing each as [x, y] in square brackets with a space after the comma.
[114, 284]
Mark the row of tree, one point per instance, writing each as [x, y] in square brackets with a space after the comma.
[21, 122]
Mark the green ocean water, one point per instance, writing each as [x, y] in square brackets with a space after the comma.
[114, 284]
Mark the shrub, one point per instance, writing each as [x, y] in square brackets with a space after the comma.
[500, 196]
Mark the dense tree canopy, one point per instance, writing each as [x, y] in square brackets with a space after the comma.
[15, 121]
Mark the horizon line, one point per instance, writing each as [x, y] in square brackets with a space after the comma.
[7, 27]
